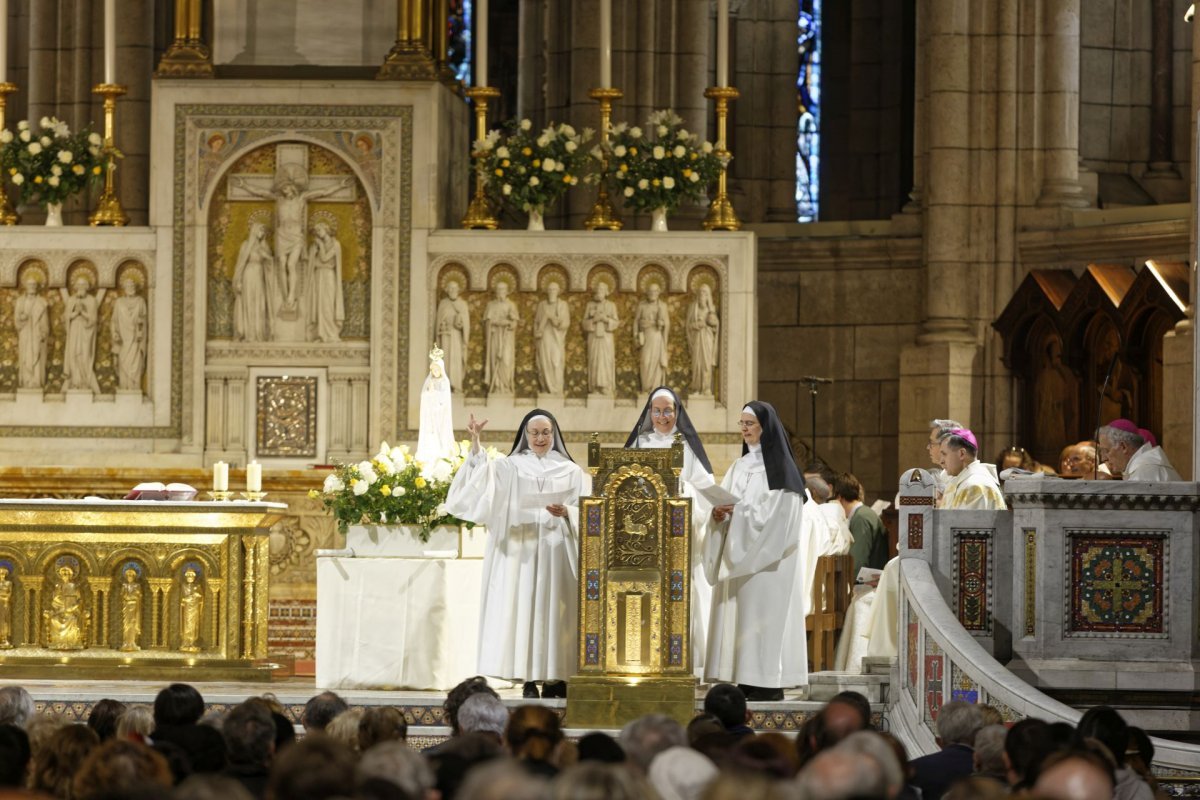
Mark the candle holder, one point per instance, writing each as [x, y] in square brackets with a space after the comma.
[721, 216]
[479, 212]
[220, 496]
[254, 497]
[108, 209]
[7, 215]
[603, 216]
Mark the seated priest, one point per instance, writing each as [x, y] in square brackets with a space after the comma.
[1079, 461]
[1127, 452]
[756, 635]
[528, 621]
[972, 485]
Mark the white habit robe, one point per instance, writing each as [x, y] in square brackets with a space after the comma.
[693, 478]
[756, 632]
[529, 617]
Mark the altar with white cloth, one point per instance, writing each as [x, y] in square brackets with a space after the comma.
[396, 613]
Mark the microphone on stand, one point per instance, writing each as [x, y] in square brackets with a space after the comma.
[1112, 365]
[813, 382]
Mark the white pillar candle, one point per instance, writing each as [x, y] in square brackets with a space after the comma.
[722, 42]
[3, 41]
[110, 42]
[254, 477]
[481, 42]
[220, 477]
[605, 44]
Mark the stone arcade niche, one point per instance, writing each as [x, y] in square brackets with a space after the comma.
[1061, 333]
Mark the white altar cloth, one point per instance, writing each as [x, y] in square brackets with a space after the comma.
[397, 623]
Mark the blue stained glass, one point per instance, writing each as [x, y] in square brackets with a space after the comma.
[808, 128]
[461, 45]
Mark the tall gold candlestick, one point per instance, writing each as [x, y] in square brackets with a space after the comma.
[603, 217]
[721, 216]
[7, 215]
[479, 212]
[108, 210]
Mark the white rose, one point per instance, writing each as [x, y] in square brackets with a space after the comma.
[45, 140]
[661, 130]
[367, 472]
[571, 147]
[386, 464]
[53, 180]
[679, 151]
[543, 141]
[333, 484]
[6, 136]
[440, 471]
[659, 152]
[399, 491]
[506, 190]
[534, 181]
[635, 132]
[629, 191]
[643, 184]
[501, 152]
[559, 166]
[94, 139]
[62, 129]
[34, 148]
[25, 137]
[668, 182]
[706, 147]
[441, 510]
[56, 170]
[23, 125]
[361, 487]
[682, 134]
[94, 151]
[694, 177]
[568, 130]
[45, 122]
[548, 165]
[66, 156]
[526, 124]
[18, 179]
[619, 151]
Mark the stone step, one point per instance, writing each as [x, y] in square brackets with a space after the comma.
[878, 665]
[824, 685]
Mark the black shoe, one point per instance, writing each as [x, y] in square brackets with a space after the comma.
[762, 694]
[554, 689]
[530, 691]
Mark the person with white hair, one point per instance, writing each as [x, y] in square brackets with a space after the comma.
[397, 764]
[681, 773]
[16, 706]
[957, 724]
[1127, 452]
[483, 713]
[646, 737]
[841, 774]
[529, 503]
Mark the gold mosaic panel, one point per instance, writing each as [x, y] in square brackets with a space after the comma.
[286, 417]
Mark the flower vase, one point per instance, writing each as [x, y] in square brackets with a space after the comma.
[54, 215]
[658, 218]
[536, 223]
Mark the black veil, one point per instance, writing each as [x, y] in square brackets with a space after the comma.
[521, 443]
[782, 472]
[683, 425]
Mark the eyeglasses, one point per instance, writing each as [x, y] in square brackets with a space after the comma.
[746, 425]
[668, 412]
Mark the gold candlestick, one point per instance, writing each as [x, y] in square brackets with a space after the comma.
[721, 216]
[7, 215]
[479, 212]
[603, 217]
[108, 210]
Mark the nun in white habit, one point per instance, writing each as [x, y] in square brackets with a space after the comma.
[663, 417]
[528, 621]
[752, 554]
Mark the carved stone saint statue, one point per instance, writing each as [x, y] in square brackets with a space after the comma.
[128, 330]
[500, 320]
[327, 305]
[131, 610]
[453, 324]
[651, 328]
[31, 314]
[703, 326]
[550, 331]
[599, 321]
[66, 618]
[251, 314]
[6, 595]
[82, 312]
[191, 612]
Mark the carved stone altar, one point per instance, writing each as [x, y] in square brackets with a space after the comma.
[634, 590]
[155, 589]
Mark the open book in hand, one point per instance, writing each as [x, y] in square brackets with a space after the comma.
[868, 575]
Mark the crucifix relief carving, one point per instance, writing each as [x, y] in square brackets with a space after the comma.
[287, 282]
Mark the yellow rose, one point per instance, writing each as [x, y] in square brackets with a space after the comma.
[96, 170]
[500, 172]
[537, 162]
[633, 151]
[687, 173]
[37, 179]
[420, 482]
[526, 151]
[313, 494]
[566, 178]
[623, 168]
[656, 182]
[385, 490]
[504, 163]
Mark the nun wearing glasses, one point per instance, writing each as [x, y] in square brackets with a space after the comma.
[752, 555]
[663, 417]
[529, 502]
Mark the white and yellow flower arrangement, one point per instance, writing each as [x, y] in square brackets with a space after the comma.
[662, 165]
[527, 170]
[48, 163]
[394, 488]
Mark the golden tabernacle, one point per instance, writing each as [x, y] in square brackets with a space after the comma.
[154, 590]
[634, 590]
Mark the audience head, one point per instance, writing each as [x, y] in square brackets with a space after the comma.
[118, 767]
[855, 700]
[958, 449]
[249, 733]
[595, 781]
[702, 725]
[990, 714]
[1026, 745]
[838, 774]
[771, 754]
[532, 733]
[397, 764]
[104, 717]
[344, 728]
[459, 695]
[601, 747]
[1106, 726]
[381, 724]
[874, 746]
[54, 766]
[989, 750]
[957, 723]
[937, 429]
[16, 706]
[1119, 440]
[14, 756]
[1139, 754]
[315, 768]
[178, 704]
[483, 712]
[647, 736]
[321, 710]
[457, 756]
[137, 722]
[680, 773]
[727, 703]
[1075, 774]
[207, 786]
[504, 780]
[976, 787]
[41, 727]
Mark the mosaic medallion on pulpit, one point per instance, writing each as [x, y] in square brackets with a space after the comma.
[973, 579]
[935, 679]
[963, 687]
[1118, 583]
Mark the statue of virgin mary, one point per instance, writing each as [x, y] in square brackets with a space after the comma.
[435, 439]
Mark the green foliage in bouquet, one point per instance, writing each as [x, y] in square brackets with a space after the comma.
[662, 166]
[49, 163]
[529, 171]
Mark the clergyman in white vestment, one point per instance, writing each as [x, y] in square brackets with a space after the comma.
[529, 502]
[752, 554]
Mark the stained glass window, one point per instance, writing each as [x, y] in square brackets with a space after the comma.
[808, 97]
[461, 49]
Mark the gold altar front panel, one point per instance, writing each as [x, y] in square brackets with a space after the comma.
[108, 589]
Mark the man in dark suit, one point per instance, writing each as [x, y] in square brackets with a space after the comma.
[957, 724]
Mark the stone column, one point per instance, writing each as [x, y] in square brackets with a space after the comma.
[1162, 51]
[1060, 105]
[411, 57]
[916, 195]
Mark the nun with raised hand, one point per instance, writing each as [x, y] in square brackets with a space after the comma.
[529, 503]
[663, 417]
[752, 555]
